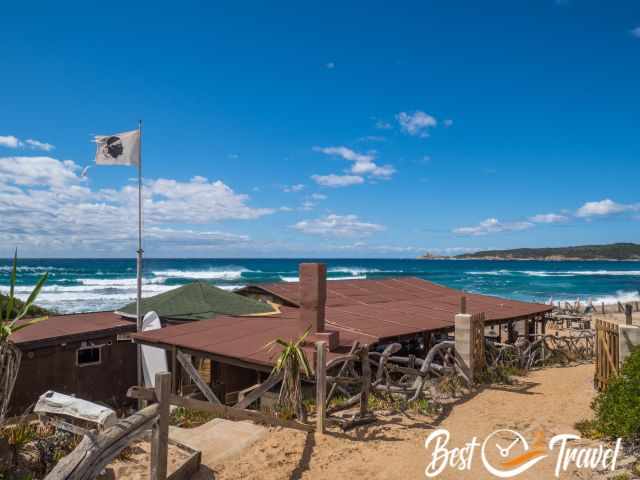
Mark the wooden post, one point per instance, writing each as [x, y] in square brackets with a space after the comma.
[160, 431]
[321, 386]
[463, 304]
[603, 309]
[174, 370]
[628, 316]
[366, 380]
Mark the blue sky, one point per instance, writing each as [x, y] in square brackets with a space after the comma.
[365, 129]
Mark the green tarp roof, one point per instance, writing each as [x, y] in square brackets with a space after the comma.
[197, 301]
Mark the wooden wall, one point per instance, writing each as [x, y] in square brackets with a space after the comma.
[54, 368]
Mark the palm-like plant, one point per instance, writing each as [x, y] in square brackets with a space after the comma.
[293, 362]
[10, 355]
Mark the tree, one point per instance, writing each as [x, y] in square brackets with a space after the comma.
[12, 320]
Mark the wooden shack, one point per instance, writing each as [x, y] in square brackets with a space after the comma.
[89, 355]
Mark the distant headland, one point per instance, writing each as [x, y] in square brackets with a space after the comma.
[614, 251]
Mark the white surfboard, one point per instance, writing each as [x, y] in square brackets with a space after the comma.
[154, 360]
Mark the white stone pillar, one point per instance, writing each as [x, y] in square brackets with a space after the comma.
[464, 342]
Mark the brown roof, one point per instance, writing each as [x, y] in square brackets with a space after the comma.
[63, 328]
[366, 310]
[242, 338]
[408, 299]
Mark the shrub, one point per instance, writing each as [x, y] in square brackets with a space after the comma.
[617, 409]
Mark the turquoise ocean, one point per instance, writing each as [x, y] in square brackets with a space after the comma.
[81, 285]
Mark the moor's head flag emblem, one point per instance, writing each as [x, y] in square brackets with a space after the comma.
[118, 149]
[112, 147]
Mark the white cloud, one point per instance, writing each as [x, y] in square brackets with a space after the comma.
[636, 32]
[345, 153]
[9, 141]
[492, 225]
[548, 218]
[338, 225]
[293, 188]
[603, 208]
[34, 171]
[417, 123]
[363, 164]
[37, 145]
[382, 125]
[47, 205]
[330, 65]
[372, 138]
[336, 181]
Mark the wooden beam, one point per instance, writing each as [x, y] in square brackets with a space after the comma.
[238, 414]
[95, 452]
[260, 390]
[185, 361]
[332, 390]
[160, 432]
[321, 386]
[142, 393]
[366, 380]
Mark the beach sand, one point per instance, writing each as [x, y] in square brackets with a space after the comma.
[551, 400]
[136, 464]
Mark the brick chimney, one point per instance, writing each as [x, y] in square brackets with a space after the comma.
[313, 294]
[313, 297]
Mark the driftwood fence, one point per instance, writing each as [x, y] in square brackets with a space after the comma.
[531, 351]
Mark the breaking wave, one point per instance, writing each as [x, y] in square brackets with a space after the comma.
[551, 273]
[297, 279]
[230, 273]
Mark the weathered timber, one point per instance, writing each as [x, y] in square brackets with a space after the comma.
[94, 452]
[342, 370]
[238, 414]
[160, 433]
[321, 386]
[185, 361]
[260, 390]
[366, 380]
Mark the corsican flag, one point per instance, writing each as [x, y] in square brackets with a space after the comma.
[119, 149]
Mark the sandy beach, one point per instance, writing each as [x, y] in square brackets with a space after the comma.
[551, 400]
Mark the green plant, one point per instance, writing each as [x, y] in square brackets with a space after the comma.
[617, 409]
[12, 311]
[188, 418]
[498, 375]
[293, 363]
[18, 436]
[10, 355]
[588, 429]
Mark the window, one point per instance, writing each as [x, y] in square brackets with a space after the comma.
[87, 356]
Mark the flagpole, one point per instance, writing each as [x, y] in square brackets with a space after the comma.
[139, 253]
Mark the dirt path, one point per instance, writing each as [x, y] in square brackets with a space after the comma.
[551, 400]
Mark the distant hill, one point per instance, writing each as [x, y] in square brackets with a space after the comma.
[614, 251]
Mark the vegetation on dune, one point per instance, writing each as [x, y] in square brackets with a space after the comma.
[617, 409]
[614, 251]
